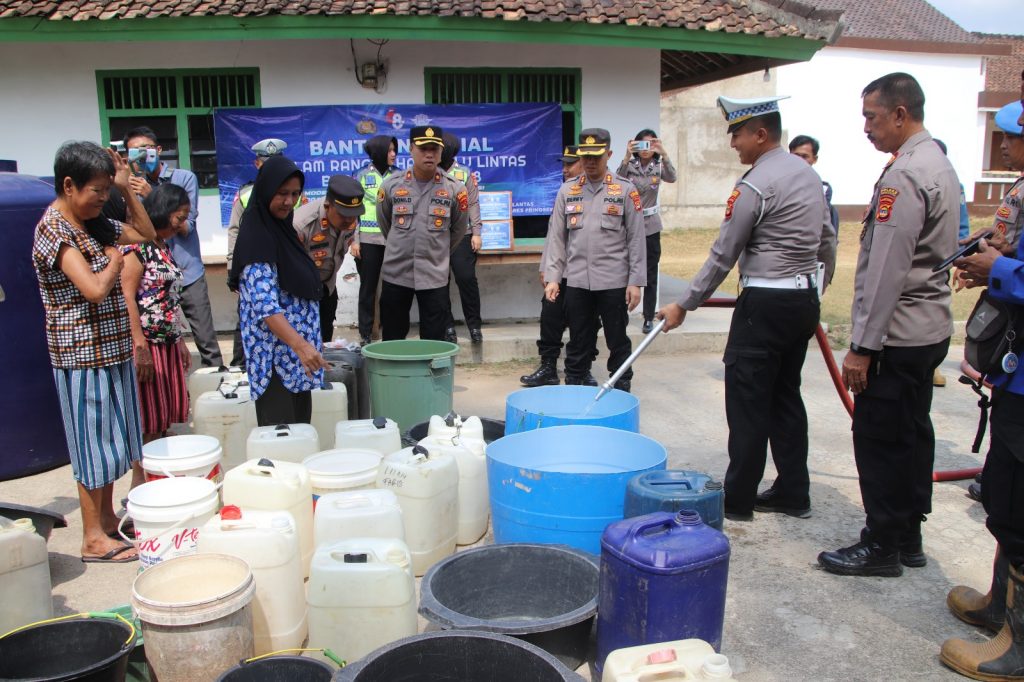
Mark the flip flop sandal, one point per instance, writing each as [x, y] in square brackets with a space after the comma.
[109, 557]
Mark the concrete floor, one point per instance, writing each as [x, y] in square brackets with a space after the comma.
[785, 619]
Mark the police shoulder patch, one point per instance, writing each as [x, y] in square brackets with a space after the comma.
[730, 202]
[886, 201]
[463, 199]
[380, 195]
[635, 196]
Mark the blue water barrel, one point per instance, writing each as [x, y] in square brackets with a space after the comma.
[663, 578]
[674, 490]
[31, 427]
[564, 484]
[543, 406]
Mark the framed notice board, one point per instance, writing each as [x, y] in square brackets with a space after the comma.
[496, 214]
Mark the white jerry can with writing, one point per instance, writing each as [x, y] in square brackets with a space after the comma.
[269, 542]
[426, 483]
[282, 443]
[685, 660]
[380, 434]
[24, 575]
[228, 414]
[361, 596]
[271, 485]
[330, 406]
[357, 514]
[206, 379]
[470, 456]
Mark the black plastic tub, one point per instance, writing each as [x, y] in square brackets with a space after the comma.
[457, 656]
[493, 430]
[542, 594]
[85, 650]
[279, 669]
[44, 520]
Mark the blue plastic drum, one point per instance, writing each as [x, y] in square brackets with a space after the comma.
[535, 408]
[564, 484]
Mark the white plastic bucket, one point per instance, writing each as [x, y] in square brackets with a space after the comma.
[190, 455]
[196, 615]
[341, 469]
[167, 515]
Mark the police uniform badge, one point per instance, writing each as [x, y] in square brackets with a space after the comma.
[635, 196]
[442, 193]
[463, 199]
[886, 201]
[319, 237]
[438, 222]
[730, 202]
[611, 209]
[1001, 227]
[380, 195]
[1003, 212]
[401, 220]
[438, 211]
[401, 192]
[573, 220]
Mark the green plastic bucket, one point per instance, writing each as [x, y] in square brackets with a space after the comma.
[410, 380]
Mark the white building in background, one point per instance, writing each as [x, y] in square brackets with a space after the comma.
[879, 37]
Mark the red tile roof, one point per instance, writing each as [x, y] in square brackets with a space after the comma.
[769, 18]
[1002, 74]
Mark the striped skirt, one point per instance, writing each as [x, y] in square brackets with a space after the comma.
[164, 398]
[101, 421]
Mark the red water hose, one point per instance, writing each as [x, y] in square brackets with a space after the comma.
[844, 395]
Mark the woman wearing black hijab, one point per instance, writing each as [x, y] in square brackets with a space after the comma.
[278, 288]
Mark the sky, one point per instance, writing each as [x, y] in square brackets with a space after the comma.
[987, 16]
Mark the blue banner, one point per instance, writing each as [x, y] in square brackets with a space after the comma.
[513, 147]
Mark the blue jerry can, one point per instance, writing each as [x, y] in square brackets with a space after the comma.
[663, 578]
[674, 490]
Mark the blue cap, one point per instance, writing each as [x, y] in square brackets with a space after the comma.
[1007, 117]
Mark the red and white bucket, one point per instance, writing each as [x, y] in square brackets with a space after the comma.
[168, 514]
[189, 455]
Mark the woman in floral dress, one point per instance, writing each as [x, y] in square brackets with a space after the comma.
[151, 282]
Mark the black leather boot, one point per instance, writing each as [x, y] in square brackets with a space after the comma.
[985, 610]
[1001, 658]
[545, 375]
[585, 380]
[912, 546]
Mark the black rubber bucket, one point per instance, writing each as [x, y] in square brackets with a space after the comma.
[457, 656]
[493, 430]
[87, 650]
[279, 669]
[542, 594]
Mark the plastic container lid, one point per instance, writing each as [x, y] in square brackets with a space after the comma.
[179, 447]
[343, 467]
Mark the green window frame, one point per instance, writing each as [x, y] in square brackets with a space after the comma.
[503, 86]
[181, 102]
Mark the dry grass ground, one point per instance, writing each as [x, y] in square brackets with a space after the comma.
[684, 251]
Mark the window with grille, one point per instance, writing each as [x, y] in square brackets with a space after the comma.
[178, 106]
[492, 86]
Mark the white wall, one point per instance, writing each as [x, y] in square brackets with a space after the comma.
[50, 89]
[826, 104]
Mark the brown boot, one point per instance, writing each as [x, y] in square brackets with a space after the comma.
[985, 610]
[998, 659]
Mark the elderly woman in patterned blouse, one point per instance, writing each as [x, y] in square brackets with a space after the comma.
[279, 289]
[87, 332]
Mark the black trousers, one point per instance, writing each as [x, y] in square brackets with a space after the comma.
[651, 290]
[395, 303]
[1002, 488]
[278, 405]
[893, 439]
[463, 263]
[763, 359]
[237, 350]
[583, 307]
[328, 309]
[195, 303]
[553, 323]
[371, 258]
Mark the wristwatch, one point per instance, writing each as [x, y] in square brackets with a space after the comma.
[860, 350]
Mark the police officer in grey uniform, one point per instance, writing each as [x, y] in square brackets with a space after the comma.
[263, 150]
[423, 213]
[464, 257]
[595, 242]
[777, 225]
[901, 328]
[325, 229]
